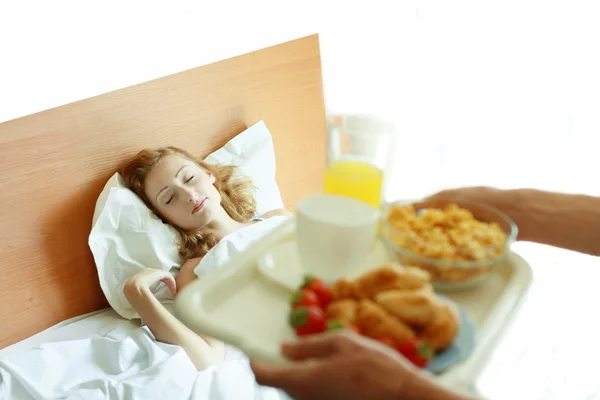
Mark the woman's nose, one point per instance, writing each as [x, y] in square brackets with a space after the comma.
[191, 195]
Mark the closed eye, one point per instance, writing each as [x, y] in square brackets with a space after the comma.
[170, 199]
[190, 178]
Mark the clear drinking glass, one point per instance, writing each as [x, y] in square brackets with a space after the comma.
[360, 149]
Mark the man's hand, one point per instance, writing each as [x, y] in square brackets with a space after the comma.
[570, 221]
[344, 365]
[477, 194]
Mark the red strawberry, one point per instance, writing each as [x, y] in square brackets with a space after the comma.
[308, 320]
[320, 288]
[416, 351]
[335, 324]
[305, 297]
[387, 341]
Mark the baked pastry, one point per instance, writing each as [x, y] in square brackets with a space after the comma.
[441, 331]
[394, 302]
[414, 307]
[343, 289]
[389, 277]
[374, 321]
[342, 310]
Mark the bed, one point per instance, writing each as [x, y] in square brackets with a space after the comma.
[56, 163]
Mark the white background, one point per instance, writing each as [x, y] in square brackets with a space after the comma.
[499, 93]
[503, 93]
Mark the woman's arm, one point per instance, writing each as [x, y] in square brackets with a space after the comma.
[562, 220]
[279, 211]
[163, 325]
[186, 273]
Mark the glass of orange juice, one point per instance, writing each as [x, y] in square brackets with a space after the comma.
[359, 152]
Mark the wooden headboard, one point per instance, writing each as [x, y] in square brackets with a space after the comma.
[55, 163]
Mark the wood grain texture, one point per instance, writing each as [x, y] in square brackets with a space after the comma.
[56, 162]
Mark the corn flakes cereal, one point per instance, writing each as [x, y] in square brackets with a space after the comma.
[451, 234]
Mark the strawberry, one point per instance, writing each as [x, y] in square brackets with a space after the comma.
[387, 341]
[308, 320]
[335, 324]
[356, 329]
[416, 351]
[306, 298]
[320, 288]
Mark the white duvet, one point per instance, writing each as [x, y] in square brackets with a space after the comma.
[103, 356]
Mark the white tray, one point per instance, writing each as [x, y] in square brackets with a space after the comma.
[246, 303]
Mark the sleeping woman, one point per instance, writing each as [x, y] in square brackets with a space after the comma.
[204, 203]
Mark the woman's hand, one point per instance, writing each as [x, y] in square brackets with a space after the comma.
[344, 365]
[146, 279]
[165, 327]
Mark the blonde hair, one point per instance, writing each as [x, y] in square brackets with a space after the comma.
[237, 194]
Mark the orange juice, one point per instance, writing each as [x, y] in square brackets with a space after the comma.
[356, 179]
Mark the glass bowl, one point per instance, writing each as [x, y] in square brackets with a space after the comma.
[457, 242]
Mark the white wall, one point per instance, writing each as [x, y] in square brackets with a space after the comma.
[503, 93]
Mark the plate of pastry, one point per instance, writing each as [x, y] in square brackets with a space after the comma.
[393, 304]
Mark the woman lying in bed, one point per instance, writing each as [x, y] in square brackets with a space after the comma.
[204, 203]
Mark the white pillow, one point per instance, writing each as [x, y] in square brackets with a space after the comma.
[127, 237]
[253, 152]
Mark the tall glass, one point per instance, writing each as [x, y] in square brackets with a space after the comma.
[360, 150]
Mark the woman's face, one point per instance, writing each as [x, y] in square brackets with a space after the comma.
[183, 192]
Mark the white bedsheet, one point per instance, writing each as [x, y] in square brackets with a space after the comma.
[103, 356]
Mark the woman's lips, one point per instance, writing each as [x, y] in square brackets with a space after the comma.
[199, 206]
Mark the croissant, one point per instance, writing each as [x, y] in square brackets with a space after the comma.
[414, 307]
[376, 322]
[342, 310]
[443, 328]
[344, 289]
[395, 302]
[390, 277]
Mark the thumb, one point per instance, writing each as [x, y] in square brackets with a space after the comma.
[314, 346]
[436, 200]
[287, 377]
